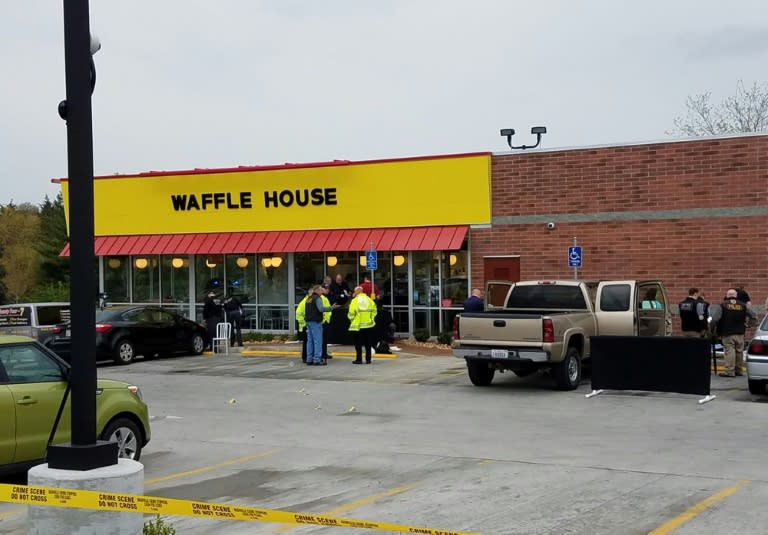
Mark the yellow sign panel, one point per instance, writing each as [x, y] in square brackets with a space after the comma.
[450, 190]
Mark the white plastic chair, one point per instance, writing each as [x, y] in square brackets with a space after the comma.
[223, 331]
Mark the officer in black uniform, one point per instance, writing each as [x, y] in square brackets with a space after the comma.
[731, 320]
[690, 321]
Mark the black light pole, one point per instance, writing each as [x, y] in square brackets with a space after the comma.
[84, 452]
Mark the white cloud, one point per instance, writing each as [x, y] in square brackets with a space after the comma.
[185, 84]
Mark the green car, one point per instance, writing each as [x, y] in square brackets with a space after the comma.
[32, 385]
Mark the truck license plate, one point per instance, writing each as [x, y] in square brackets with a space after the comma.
[499, 353]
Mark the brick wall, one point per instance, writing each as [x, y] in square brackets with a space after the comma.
[724, 243]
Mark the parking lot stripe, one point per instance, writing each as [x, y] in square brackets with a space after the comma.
[335, 354]
[209, 468]
[12, 512]
[355, 504]
[670, 525]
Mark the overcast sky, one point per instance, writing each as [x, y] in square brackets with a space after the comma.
[190, 83]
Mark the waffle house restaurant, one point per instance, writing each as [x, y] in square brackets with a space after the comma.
[267, 234]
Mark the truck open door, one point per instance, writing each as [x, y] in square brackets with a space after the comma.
[615, 308]
[653, 315]
[496, 293]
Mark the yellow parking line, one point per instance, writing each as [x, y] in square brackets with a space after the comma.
[355, 504]
[674, 523]
[204, 469]
[12, 512]
[335, 354]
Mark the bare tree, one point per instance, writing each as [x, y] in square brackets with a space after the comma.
[746, 111]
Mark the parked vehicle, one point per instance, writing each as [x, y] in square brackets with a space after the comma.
[547, 324]
[37, 320]
[32, 385]
[757, 359]
[124, 332]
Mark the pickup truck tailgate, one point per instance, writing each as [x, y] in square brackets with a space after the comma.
[497, 328]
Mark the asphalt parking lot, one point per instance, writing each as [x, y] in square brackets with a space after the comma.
[411, 441]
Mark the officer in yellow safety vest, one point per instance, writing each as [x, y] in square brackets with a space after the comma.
[301, 320]
[362, 317]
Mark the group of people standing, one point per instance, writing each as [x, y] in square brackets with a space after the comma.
[330, 307]
[727, 320]
[227, 310]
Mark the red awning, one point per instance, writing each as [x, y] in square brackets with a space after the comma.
[299, 241]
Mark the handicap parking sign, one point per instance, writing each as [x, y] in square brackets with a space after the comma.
[574, 256]
[371, 261]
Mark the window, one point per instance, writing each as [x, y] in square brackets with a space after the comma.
[174, 276]
[25, 364]
[116, 278]
[615, 298]
[547, 296]
[146, 279]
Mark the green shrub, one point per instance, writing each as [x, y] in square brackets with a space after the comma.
[444, 338]
[158, 527]
[421, 335]
[267, 337]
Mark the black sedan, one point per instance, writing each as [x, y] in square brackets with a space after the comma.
[124, 332]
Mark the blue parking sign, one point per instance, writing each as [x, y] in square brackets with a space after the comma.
[371, 260]
[574, 256]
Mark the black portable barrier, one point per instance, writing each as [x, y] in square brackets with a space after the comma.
[652, 363]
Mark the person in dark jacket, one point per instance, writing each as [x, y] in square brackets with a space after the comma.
[313, 315]
[475, 302]
[692, 324]
[731, 320]
[339, 294]
[212, 315]
[234, 310]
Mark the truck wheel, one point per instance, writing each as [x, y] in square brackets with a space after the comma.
[756, 387]
[567, 374]
[479, 373]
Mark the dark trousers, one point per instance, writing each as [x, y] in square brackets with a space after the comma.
[210, 325]
[363, 338]
[236, 332]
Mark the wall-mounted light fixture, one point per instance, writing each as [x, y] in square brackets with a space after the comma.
[210, 263]
[399, 260]
[362, 260]
[453, 259]
[332, 261]
[177, 262]
[538, 131]
[242, 262]
[141, 263]
[274, 261]
[114, 263]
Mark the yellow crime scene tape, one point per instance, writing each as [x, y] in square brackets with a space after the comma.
[131, 503]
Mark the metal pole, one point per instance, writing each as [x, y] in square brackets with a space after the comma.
[84, 452]
[575, 269]
[77, 42]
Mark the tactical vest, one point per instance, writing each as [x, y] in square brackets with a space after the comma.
[734, 317]
[689, 318]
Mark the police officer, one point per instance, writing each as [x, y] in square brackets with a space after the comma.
[362, 315]
[731, 320]
[691, 322]
[212, 314]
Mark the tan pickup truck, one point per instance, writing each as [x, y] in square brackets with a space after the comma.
[531, 325]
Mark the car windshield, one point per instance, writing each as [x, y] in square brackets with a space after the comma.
[764, 325]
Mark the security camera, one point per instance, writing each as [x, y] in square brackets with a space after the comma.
[95, 44]
[551, 225]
